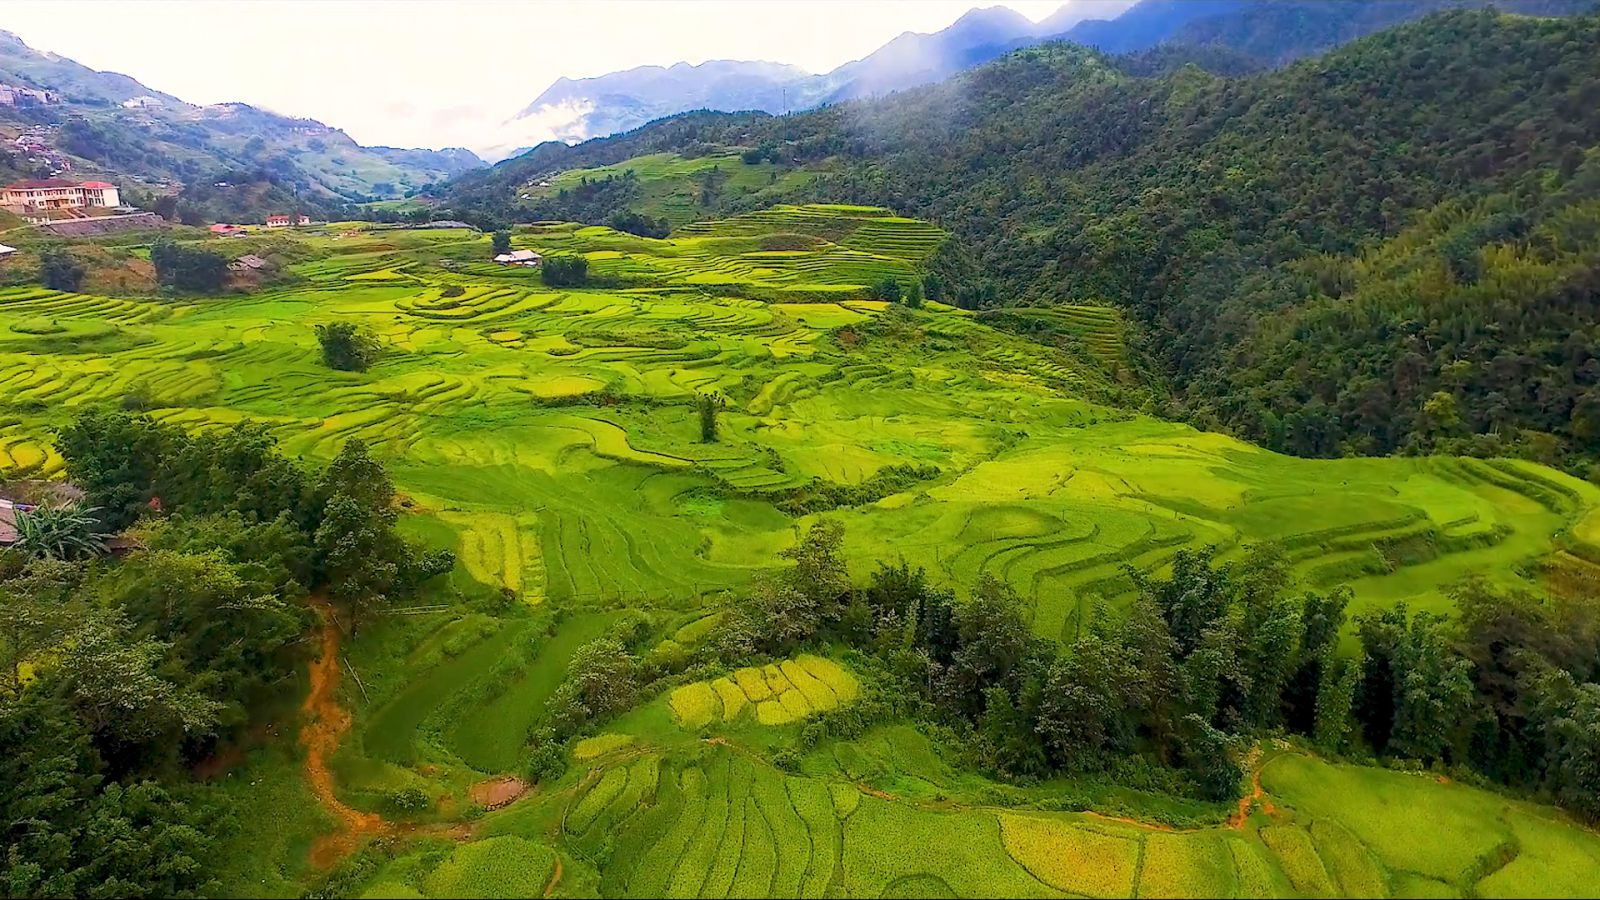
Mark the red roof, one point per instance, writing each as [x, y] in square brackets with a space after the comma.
[41, 183]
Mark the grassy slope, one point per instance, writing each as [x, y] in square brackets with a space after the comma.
[668, 815]
[549, 437]
[669, 184]
[480, 405]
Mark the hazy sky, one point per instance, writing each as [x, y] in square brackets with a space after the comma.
[431, 74]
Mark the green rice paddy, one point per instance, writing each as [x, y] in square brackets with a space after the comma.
[550, 437]
[668, 185]
[715, 822]
[551, 432]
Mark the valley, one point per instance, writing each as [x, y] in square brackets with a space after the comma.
[1152, 451]
[548, 437]
[551, 433]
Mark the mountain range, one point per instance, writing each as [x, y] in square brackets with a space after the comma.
[1384, 248]
[227, 158]
[582, 108]
[1273, 33]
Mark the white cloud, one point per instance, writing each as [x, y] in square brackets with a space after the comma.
[435, 74]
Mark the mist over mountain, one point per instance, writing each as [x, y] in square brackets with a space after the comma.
[577, 109]
[573, 110]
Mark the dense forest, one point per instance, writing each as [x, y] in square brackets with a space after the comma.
[1388, 248]
[182, 645]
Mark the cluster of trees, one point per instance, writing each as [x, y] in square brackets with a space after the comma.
[590, 200]
[60, 271]
[115, 677]
[347, 346]
[640, 224]
[565, 271]
[1472, 332]
[192, 270]
[1202, 661]
[892, 290]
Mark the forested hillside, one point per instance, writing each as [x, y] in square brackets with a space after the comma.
[1430, 190]
[226, 160]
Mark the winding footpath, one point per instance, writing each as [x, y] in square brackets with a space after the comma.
[325, 723]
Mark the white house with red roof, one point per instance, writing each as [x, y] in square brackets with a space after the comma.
[59, 193]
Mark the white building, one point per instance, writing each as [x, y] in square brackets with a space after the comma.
[519, 258]
[59, 193]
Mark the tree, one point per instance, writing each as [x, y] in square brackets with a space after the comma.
[1321, 619]
[602, 680]
[933, 286]
[1210, 755]
[887, 289]
[913, 294]
[347, 346]
[1089, 700]
[995, 642]
[120, 459]
[360, 557]
[188, 269]
[217, 621]
[1193, 599]
[1415, 698]
[357, 548]
[641, 225]
[1336, 692]
[565, 271]
[1569, 717]
[500, 242]
[123, 690]
[58, 271]
[68, 531]
[708, 405]
[791, 606]
[70, 831]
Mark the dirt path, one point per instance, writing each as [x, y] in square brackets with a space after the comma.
[555, 878]
[1237, 820]
[325, 723]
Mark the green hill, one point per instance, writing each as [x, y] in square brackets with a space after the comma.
[225, 155]
[1416, 201]
[552, 438]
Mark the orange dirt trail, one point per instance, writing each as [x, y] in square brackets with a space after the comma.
[1238, 819]
[325, 723]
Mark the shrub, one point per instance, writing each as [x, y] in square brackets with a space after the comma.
[409, 800]
[58, 271]
[549, 758]
[188, 269]
[708, 405]
[566, 271]
[347, 347]
[59, 532]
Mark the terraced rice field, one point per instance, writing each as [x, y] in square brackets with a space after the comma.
[720, 823]
[550, 437]
[775, 694]
[668, 186]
